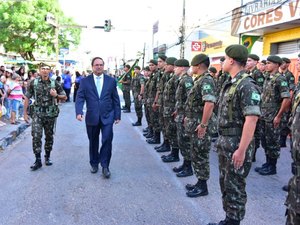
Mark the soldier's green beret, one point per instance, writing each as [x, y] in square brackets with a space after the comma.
[200, 58]
[275, 59]
[222, 59]
[254, 57]
[237, 52]
[171, 60]
[147, 68]
[162, 57]
[153, 61]
[182, 63]
[212, 69]
[137, 67]
[286, 60]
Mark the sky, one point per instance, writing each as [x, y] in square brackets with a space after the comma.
[133, 20]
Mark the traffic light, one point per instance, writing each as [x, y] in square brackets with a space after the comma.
[107, 25]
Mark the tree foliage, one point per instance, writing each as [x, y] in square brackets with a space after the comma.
[23, 28]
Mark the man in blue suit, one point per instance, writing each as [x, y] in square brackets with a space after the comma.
[99, 91]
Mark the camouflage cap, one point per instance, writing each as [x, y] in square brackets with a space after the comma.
[286, 60]
[147, 68]
[162, 57]
[212, 69]
[237, 52]
[254, 57]
[275, 59]
[182, 63]
[171, 60]
[153, 61]
[200, 58]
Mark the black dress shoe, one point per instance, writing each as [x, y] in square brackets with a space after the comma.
[36, 165]
[48, 161]
[105, 172]
[136, 124]
[94, 169]
[170, 158]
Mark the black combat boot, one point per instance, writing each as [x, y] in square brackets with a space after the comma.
[187, 170]
[155, 139]
[266, 164]
[160, 146]
[38, 162]
[227, 221]
[149, 134]
[173, 157]
[138, 122]
[270, 169]
[254, 155]
[48, 161]
[165, 148]
[285, 188]
[200, 189]
[180, 168]
[145, 130]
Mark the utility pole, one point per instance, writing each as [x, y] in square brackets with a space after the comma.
[182, 31]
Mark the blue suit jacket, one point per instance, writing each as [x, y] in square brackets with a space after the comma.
[107, 107]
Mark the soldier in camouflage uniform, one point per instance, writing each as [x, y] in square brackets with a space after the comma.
[154, 113]
[184, 86]
[285, 131]
[238, 113]
[275, 101]
[126, 82]
[198, 111]
[259, 78]
[169, 103]
[293, 198]
[150, 98]
[158, 103]
[222, 77]
[165, 119]
[146, 77]
[44, 112]
[138, 86]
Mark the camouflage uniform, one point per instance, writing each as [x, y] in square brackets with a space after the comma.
[41, 113]
[293, 198]
[169, 103]
[204, 90]
[147, 106]
[184, 86]
[233, 108]
[126, 90]
[136, 83]
[275, 89]
[161, 85]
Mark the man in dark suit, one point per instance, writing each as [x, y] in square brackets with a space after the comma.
[99, 91]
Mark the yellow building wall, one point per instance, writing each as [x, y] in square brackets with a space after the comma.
[281, 36]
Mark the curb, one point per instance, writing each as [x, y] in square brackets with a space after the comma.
[12, 136]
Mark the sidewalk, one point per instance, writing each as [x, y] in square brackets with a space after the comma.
[9, 132]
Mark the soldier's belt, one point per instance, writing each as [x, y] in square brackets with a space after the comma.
[230, 131]
[192, 114]
[295, 169]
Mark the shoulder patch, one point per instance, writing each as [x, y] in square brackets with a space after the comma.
[283, 84]
[206, 87]
[260, 79]
[188, 84]
[255, 96]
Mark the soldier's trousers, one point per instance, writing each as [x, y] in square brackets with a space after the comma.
[38, 125]
[162, 122]
[184, 141]
[126, 96]
[293, 202]
[138, 106]
[154, 117]
[147, 114]
[270, 139]
[200, 155]
[171, 131]
[257, 134]
[233, 182]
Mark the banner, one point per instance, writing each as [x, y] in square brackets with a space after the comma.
[248, 41]
[131, 72]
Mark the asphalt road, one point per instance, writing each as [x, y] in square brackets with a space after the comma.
[141, 190]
